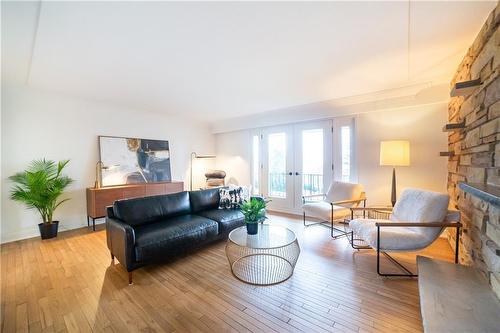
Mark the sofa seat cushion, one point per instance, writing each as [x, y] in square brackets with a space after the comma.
[172, 235]
[391, 238]
[228, 219]
[323, 210]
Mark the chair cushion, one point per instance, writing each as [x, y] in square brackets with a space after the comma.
[139, 211]
[204, 199]
[391, 238]
[323, 210]
[416, 205]
[228, 219]
[339, 191]
[174, 235]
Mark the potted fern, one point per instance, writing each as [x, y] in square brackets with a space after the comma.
[39, 187]
[254, 211]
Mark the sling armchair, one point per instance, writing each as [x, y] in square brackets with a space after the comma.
[333, 206]
[416, 221]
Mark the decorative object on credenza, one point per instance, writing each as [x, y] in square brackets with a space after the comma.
[254, 211]
[132, 160]
[193, 157]
[98, 172]
[215, 178]
[39, 187]
[394, 153]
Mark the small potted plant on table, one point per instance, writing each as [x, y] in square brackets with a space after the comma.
[254, 211]
[39, 187]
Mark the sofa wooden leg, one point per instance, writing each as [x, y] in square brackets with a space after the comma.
[129, 278]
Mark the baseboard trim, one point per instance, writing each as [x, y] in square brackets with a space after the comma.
[34, 232]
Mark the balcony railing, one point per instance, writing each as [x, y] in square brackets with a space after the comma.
[311, 184]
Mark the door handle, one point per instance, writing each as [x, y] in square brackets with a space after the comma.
[290, 173]
[296, 173]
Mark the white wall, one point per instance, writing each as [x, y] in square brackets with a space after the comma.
[234, 155]
[36, 124]
[421, 125]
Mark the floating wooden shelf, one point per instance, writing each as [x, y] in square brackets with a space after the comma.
[453, 126]
[465, 88]
[446, 153]
[488, 193]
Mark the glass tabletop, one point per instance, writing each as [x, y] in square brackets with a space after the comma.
[268, 236]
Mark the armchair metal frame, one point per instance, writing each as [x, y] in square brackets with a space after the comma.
[379, 225]
[342, 233]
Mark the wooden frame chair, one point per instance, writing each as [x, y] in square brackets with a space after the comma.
[420, 228]
[334, 206]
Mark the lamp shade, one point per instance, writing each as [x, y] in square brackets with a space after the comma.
[395, 153]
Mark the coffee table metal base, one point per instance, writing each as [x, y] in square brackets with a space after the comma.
[253, 269]
[262, 266]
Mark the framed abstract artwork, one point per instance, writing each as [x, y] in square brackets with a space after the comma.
[133, 160]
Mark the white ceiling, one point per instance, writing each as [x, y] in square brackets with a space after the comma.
[218, 60]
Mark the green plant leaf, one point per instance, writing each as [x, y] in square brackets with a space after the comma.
[253, 210]
[40, 186]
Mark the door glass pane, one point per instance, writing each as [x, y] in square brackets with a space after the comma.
[312, 161]
[277, 165]
[345, 138]
[255, 165]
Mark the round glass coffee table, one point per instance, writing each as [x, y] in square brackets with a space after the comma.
[268, 257]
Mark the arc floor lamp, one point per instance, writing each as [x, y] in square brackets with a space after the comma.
[193, 157]
[394, 153]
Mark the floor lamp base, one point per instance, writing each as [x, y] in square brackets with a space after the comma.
[393, 194]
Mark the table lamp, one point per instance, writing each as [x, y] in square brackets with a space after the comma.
[394, 153]
[98, 172]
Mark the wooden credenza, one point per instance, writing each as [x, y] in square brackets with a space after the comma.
[99, 198]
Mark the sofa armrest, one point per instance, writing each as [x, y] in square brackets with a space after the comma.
[121, 241]
[305, 197]
[343, 202]
[419, 224]
[385, 209]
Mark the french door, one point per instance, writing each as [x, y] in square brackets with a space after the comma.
[313, 166]
[278, 167]
[295, 160]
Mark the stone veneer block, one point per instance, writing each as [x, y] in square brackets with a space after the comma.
[476, 152]
[495, 283]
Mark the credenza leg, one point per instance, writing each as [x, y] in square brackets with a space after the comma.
[129, 278]
[93, 224]
[88, 221]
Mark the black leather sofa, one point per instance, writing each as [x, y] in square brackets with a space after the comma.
[152, 229]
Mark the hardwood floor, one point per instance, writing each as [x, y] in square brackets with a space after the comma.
[69, 284]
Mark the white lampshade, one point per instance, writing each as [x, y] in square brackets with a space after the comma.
[395, 153]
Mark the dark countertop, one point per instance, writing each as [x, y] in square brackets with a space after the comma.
[488, 193]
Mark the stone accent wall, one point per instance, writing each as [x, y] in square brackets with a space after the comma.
[476, 151]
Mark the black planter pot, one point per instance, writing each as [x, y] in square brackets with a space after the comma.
[48, 230]
[252, 228]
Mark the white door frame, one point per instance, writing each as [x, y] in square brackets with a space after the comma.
[332, 155]
[338, 123]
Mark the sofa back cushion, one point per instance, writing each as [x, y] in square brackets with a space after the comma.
[339, 191]
[145, 210]
[204, 199]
